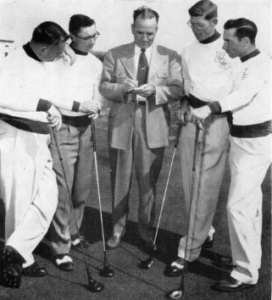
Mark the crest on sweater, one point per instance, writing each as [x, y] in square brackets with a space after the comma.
[220, 59]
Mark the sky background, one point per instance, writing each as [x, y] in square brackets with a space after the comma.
[18, 18]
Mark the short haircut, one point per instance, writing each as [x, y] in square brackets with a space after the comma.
[79, 21]
[49, 33]
[146, 13]
[244, 28]
[204, 8]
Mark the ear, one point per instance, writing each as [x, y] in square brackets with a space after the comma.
[44, 50]
[73, 38]
[246, 42]
[215, 22]
[132, 28]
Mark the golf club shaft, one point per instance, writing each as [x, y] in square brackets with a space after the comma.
[167, 182]
[98, 187]
[70, 197]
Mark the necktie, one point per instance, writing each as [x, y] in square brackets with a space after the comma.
[142, 69]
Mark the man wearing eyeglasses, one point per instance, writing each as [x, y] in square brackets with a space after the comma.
[140, 79]
[206, 70]
[79, 82]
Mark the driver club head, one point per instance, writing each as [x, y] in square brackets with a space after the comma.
[107, 271]
[146, 264]
[95, 286]
[175, 294]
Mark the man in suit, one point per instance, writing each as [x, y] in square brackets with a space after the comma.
[140, 79]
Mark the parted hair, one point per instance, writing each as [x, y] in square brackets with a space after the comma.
[49, 33]
[79, 21]
[244, 28]
[204, 8]
[146, 13]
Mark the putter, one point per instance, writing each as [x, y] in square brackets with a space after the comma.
[146, 264]
[178, 293]
[93, 285]
[107, 271]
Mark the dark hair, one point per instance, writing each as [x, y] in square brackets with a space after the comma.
[79, 21]
[49, 33]
[145, 12]
[204, 8]
[244, 28]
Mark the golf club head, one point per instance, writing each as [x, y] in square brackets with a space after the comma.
[175, 294]
[93, 285]
[146, 264]
[107, 271]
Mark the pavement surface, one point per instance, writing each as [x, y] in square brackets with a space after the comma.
[130, 282]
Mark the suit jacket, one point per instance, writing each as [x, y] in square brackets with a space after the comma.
[164, 73]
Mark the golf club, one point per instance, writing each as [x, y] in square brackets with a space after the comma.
[178, 293]
[146, 264]
[94, 286]
[107, 271]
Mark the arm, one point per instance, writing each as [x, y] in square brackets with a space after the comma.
[114, 87]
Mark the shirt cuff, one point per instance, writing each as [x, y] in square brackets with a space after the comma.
[43, 105]
[215, 107]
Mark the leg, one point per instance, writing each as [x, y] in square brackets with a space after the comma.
[59, 229]
[82, 179]
[210, 165]
[249, 161]
[148, 163]
[121, 173]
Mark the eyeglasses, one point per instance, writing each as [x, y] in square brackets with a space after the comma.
[198, 25]
[86, 38]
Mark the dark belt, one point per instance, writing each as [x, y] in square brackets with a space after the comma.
[25, 124]
[251, 131]
[197, 103]
[141, 102]
[78, 121]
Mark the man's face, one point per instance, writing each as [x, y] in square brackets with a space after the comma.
[50, 53]
[85, 38]
[232, 45]
[144, 31]
[202, 28]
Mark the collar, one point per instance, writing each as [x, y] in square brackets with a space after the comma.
[137, 50]
[30, 52]
[78, 52]
[212, 38]
[250, 55]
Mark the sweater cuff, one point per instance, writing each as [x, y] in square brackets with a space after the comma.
[43, 105]
[215, 107]
[76, 106]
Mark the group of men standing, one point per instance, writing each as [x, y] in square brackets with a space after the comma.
[140, 79]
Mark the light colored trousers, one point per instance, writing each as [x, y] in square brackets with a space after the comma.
[77, 152]
[249, 159]
[148, 163]
[28, 188]
[211, 158]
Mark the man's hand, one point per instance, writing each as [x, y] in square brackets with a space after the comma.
[89, 107]
[184, 112]
[129, 85]
[54, 118]
[145, 90]
[200, 114]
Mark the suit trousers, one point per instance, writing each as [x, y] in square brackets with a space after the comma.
[28, 188]
[77, 152]
[211, 159]
[148, 163]
[249, 160]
